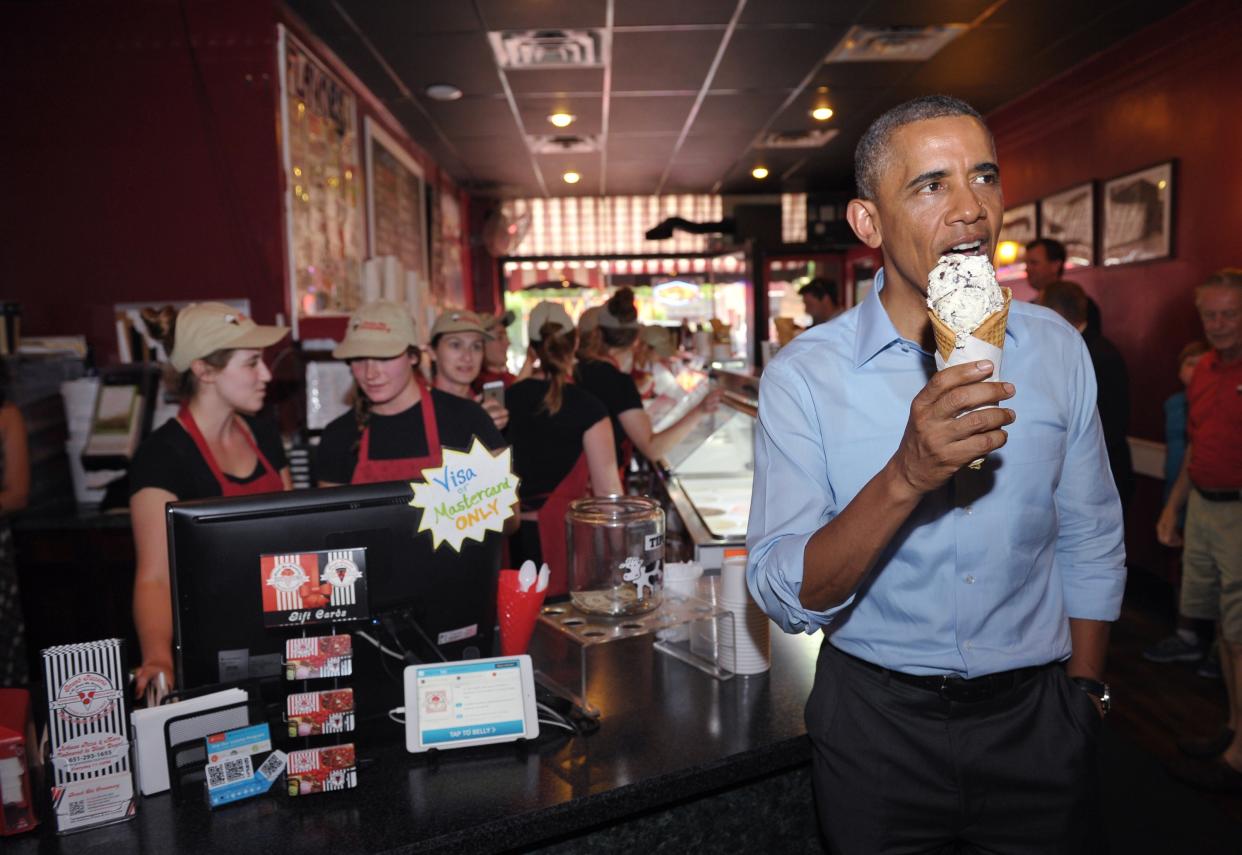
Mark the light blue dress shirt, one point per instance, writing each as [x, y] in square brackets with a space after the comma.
[985, 573]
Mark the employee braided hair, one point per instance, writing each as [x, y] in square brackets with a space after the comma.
[161, 325]
[555, 348]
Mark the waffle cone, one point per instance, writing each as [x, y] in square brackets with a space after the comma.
[992, 330]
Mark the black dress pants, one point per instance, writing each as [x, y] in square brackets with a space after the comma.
[898, 769]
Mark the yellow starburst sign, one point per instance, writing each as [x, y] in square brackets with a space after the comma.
[471, 494]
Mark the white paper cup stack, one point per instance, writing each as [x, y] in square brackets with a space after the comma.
[745, 646]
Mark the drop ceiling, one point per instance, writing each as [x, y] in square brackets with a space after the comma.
[687, 89]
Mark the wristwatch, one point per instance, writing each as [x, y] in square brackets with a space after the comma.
[1097, 690]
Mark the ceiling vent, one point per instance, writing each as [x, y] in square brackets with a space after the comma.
[894, 44]
[563, 143]
[519, 49]
[813, 138]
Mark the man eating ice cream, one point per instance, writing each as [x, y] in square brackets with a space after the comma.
[958, 696]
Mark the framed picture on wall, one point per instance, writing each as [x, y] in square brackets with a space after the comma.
[1138, 215]
[1018, 228]
[1069, 217]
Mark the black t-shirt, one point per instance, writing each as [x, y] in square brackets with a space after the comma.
[616, 390]
[169, 459]
[1113, 401]
[396, 437]
[546, 446]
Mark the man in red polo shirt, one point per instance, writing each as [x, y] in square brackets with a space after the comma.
[1211, 478]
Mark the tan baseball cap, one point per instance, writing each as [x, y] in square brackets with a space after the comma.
[548, 312]
[458, 320]
[379, 330]
[490, 320]
[203, 328]
[658, 339]
[589, 319]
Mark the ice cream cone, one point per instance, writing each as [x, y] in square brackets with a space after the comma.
[517, 611]
[992, 330]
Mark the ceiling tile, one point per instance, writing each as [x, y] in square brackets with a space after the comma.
[633, 115]
[773, 59]
[472, 117]
[742, 113]
[920, 12]
[541, 15]
[640, 147]
[802, 11]
[714, 147]
[647, 13]
[462, 59]
[542, 81]
[405, 17]
[661, 61]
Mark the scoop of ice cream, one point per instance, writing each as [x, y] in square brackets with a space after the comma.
[962, 291]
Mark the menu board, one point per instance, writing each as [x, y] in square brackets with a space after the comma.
[396, 203]
[324, 202]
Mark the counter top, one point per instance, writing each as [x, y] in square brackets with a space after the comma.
[681, 734]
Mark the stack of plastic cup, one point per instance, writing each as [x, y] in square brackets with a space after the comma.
[745, 644]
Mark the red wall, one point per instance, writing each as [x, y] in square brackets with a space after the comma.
[126, 179]
[1171, 91]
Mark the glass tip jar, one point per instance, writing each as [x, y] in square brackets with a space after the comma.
[615, 546]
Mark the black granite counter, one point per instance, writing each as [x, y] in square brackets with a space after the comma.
[680, 735]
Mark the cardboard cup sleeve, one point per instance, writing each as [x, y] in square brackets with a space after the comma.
[517, 611]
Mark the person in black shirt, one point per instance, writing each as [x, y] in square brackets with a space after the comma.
[562, 444]
[1112, 380]
[608, 378]
[458, 342]
[214, 447]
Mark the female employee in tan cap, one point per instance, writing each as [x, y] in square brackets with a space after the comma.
[399, 424]
[562, 444]
[214, 447]
[458, 339]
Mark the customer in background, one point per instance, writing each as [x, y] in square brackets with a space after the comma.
[214, 447]
[607, 377]
[1193, 638]
[1045, 264]
[562, 444]
[1112, 381]
[14, 493]
[819, 298]
[458, 340]
[1209, 486]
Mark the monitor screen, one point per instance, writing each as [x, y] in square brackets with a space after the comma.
[214, 547]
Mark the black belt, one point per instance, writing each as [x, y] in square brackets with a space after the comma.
[959, 689]
[1220, 495]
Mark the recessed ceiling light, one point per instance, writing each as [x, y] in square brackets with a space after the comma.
[443, 92]
[562, 119]
[822, 111]
[760, 172]
[821, 114]
[571, 177]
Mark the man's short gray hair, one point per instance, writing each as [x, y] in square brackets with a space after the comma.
[872, 149]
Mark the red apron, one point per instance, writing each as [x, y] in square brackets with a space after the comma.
[268, 482]
[551, 519]
[368, 471]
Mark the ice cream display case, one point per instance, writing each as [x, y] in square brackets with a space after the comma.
[706, 478]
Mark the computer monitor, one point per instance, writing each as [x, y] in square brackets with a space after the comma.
[214, 547]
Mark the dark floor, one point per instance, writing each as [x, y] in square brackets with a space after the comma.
[1157, 704]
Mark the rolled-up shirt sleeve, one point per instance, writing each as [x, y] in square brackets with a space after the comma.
[1090, 548]
[791, 499]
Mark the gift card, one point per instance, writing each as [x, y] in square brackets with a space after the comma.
[314, 587]
[319, 656]
[317, 713]
[322, 770]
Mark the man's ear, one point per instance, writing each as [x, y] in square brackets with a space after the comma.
[864, 219]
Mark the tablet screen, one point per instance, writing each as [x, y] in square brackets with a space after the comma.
[467, 701]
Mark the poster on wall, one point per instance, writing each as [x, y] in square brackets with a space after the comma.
[323, 201]
[1138, 216]
[450, 284]
[1069, 217]
[396, 203]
